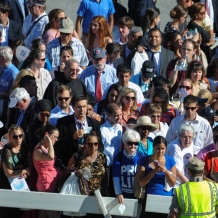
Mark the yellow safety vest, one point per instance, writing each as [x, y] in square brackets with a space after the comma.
[197, 199]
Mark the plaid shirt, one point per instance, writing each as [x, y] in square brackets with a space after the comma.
[54, 47]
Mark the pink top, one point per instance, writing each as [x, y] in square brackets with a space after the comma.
[47, 173]
[50, 35]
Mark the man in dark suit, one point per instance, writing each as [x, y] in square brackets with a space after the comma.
[19, 10]
[159, 55]
[72, 129]
[11, 30]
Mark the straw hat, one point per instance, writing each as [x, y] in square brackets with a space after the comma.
[145, 121]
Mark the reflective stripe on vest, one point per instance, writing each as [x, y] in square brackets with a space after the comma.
[194, 203]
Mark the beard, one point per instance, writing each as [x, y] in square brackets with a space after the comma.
[99, 66]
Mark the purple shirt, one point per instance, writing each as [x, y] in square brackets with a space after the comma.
[202, 153]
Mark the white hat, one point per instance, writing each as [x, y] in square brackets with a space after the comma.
[18, 95]
[145, 121]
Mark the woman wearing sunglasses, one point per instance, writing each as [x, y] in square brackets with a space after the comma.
[125, 162]
[196, 73]
[127, 100]
[156, 170]
[44, 163]
[42, 108]
[36, 62]
[16, 162]
[89, 157]
[161, 98]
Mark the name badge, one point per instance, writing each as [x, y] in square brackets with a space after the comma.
[4, 83]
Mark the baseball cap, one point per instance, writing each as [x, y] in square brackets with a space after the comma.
[17, 95]
[208, 112]
[195, 164]
[202, 100]
[148, 69]
[66, 26]
[98, 53]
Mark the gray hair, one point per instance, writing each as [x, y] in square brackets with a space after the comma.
[6, 52]
[71, 61]
[185, 128]
[131, 135]
[135, 29]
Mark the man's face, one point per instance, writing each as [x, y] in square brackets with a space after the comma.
[188, 50]
[35, 10]
[134, 39]
[115, 117]
[184, 3]
[123, 30]
[99, 63]
[3, 17]
[65, 37]
[32, 88]
[71, 72]
[154, 39]
[124, 78]
[22, 105]
[63, 99]
[190, 111]
[80, 109]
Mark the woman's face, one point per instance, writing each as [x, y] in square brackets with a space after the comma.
[186, 139]
[65, 55]
[91, 145]
[159, 149]
[156, 20]
[112, 96]
[159, 101]
[202, 14]
[90, 110]
[54, 136]
[182, 19]
[131, 147]
[16, 137]
[43, 116]
[155, 118]
[95, 26]
[188, 51]
[144, 131]
[196, 75]
[57, 20]
[41, 61]
[187, 86]
[177, 44]
[129, 99]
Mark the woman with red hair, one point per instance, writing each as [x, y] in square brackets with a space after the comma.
[99, 34]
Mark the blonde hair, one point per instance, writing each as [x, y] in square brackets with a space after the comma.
[15, 127]
[123, 93]
[154, 108]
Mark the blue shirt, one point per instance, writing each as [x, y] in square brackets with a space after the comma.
[143, 150]
[79, 52]
[91, 8]
[112, 140]
[57, 113]
[89, 76]
[157, 183]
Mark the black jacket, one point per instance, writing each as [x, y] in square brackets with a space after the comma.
[66, 146]
[15, 31]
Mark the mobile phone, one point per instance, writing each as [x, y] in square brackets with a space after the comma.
[155, 162]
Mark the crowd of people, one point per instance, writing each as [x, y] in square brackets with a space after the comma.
[112, 95]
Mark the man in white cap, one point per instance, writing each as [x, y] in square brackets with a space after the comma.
[196, 198]
[66, 29]
[21, 100]
[34, 24]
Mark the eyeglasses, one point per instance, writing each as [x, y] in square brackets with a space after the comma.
[17, 136]
[90, 144]
[74, 70]
[128, 98]
[187, 49]
[185, 87]
[43, 59]
[190, 108]
[202, 13]
[55, 137]
[159, 102]
[65, 99]
[60, 18]
[137, 37]
[158, 116]
[145, 128]
[44, 114]
[41, 43]
[132, 143]
[31, 5]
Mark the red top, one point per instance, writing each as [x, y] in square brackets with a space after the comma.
[208, 163]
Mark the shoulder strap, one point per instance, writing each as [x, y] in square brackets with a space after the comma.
[212, 162]
[34, 23]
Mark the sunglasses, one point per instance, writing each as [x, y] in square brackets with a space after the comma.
[41, 43]
[66, 34]
[43, 59]
[90, 144]
[45, 114]
[190, 108]
[65, 99]
[185, 87]
[130, 98]
[158, 116]
[137, 37]
[17, 136]
[145, 128]
[202, 13]
[132, 143]
[159, 102]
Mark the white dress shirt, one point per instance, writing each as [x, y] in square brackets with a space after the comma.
[203, 135]
[5, 32]
[162, 131]
[112, 140]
